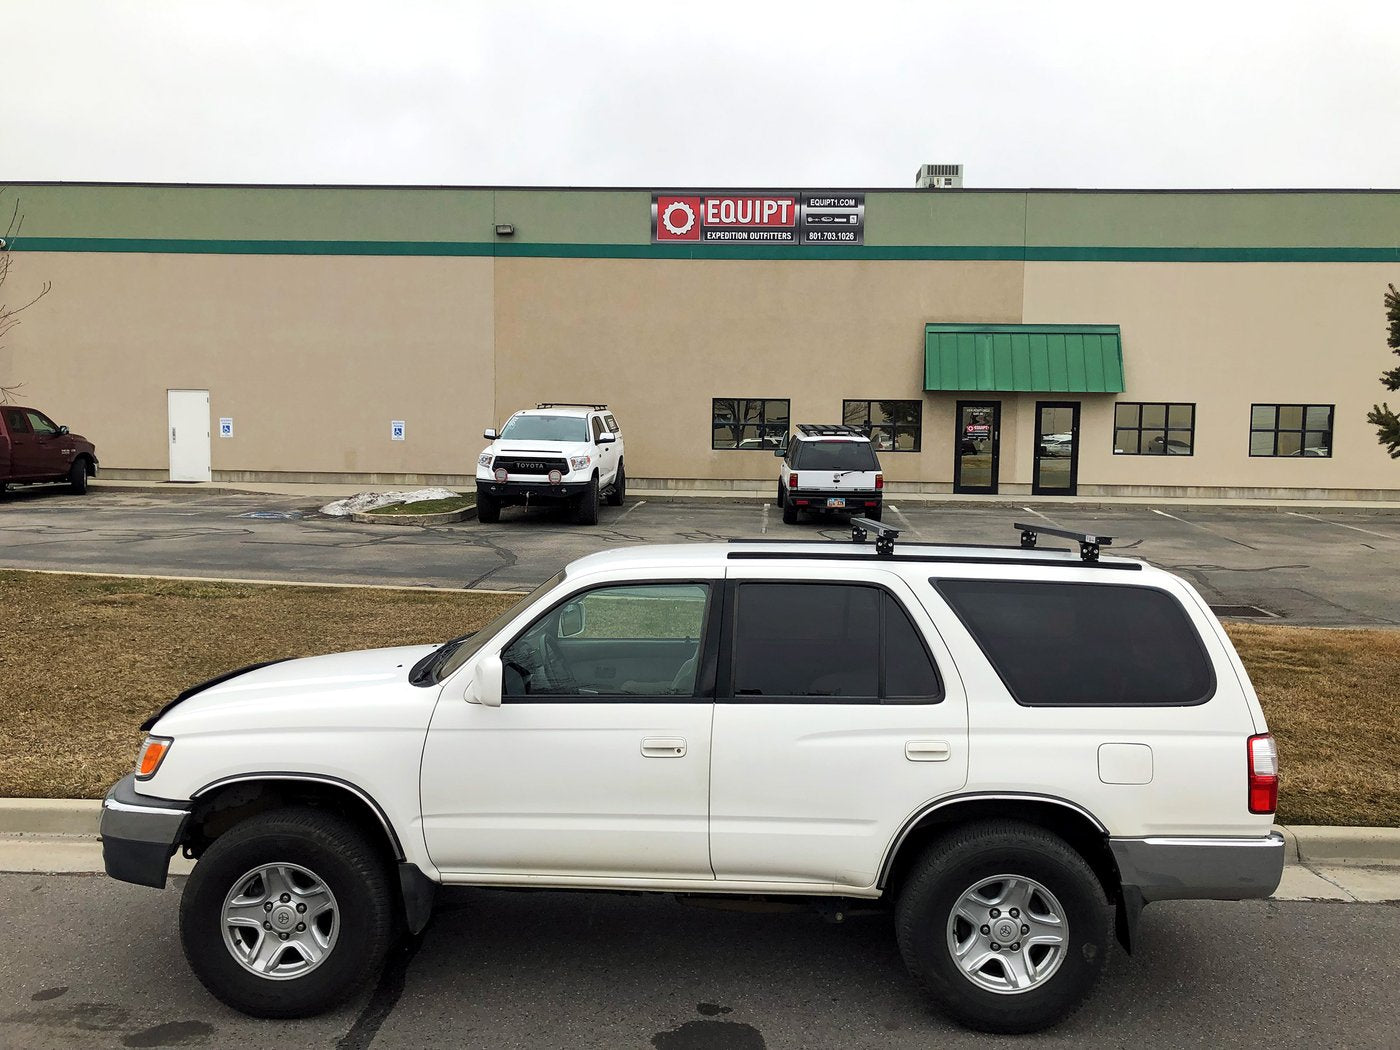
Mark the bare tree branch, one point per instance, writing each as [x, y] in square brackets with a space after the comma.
[9, 315]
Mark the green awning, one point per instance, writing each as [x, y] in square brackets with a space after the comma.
[1068, 358]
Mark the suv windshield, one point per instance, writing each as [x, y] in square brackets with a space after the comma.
[546, 428]
[834, 455]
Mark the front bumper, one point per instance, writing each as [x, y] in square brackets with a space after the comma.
[140, 833]
[531, 491]
[1168, 869]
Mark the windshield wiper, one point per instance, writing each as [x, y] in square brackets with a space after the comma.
[425, 670]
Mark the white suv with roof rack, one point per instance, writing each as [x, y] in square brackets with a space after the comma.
[554, 453]
[830, 467]
[1015, 748]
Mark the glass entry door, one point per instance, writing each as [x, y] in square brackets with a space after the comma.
[975, 446]
[1056, 448]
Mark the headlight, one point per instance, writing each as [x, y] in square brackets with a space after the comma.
[151, 755]
[579, 462]
[484, 460]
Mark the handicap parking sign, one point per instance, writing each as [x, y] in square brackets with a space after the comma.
[396, 430]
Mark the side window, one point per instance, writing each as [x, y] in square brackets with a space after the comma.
[41, 424]
[14, 419]
[627, 641]
[839, 641]
[597, 423]
[612, 423]
[1084, 644]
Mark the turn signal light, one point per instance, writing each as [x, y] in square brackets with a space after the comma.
[792, 481]
[879, 482]
[152, 753]
[1263, 774]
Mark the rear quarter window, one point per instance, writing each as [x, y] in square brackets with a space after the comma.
[1084, 644]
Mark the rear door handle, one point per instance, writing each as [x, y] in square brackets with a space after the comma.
[663, 747]
[928, 751]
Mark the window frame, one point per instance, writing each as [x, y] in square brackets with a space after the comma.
[707, 652]
[724, 687]
[1212, 686]
[893, 429]
[1301, 431]
[763, 425]
[1166, 428]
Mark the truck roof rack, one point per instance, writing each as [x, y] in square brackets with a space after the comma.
[1089, 543]
[884, 535]
[831, 430]
[572, 404]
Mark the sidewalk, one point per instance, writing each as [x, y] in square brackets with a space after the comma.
[759, 493]
[1354, 865]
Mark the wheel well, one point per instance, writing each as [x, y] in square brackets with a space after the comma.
[1075, 828]
[89, 468]
[222, 808]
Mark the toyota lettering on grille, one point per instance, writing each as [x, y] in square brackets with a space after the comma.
[534, 465]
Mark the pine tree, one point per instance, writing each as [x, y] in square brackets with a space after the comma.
[1386, 422]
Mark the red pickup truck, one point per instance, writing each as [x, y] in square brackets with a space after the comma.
[33, 448]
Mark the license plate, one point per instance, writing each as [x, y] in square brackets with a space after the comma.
[835, 502]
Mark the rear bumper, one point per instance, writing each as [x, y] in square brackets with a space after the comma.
[531, 491]
[1165, 869]
[817, 497]
[140, 833]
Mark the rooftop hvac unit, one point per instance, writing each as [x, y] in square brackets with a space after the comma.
[939, 176]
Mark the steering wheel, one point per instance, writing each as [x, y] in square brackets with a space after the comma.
[556, 669]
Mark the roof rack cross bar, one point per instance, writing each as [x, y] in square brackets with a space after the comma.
[1089, 543]
[831, 430]
[884, 535]
[572, 404]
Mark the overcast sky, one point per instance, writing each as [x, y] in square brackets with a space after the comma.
[702, 93]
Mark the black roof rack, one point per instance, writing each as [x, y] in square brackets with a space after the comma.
[572, 404]
[1089, 544]
[831, 430]
[884, 535]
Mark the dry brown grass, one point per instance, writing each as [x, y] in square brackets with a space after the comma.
[84, 659]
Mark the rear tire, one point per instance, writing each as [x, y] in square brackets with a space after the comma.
[875, 513]
[586, 509]
[288, 864]
[1043, 892]
[78, 477]
[782, 499]
[789, 512]
[618, 492]
[488, 508]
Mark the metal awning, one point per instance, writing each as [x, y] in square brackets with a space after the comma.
[1059, 358]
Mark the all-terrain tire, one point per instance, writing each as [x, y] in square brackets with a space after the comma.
[931, 928]
[78, 477]
[618, 492]
[297, 840]
[488, 508]
[586, 506]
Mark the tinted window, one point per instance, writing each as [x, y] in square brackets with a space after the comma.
[798, 639]
[14, 418]
[909, 670]
[835, 455]
[1084, 643]
[612, 424]
[597, 428]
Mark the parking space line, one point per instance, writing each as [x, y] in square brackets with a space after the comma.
[1203, 528]
[908, 524]
[629, 510]
[1341, 525]
[763, 522]
[1032, 510]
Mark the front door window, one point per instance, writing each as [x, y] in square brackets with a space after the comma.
[975, 446]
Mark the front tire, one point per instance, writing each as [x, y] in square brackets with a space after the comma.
[586, 509]
[488, 508]
[1009, 880]
[287, 914]
[618, 492]
[78, 477]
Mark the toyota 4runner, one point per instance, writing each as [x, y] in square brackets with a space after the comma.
[830, 467]
[555, 453]
[1017, 748]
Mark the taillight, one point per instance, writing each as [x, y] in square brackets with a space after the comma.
[792, 481]
[1263, 774]
[879, 482]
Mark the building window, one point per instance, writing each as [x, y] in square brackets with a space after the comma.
[1153, 428]
[749, 422]
[895, 426]
[1290, 430]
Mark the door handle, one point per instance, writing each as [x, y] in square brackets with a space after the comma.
[663, 747]
[172, 435]
[928, 751]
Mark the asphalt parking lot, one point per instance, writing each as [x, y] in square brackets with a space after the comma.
[1306, 567]
[95, 964]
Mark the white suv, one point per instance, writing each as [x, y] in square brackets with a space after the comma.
[554, 453]
[830, 467]
[1008, 744]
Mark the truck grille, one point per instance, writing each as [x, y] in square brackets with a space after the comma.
[540, 465]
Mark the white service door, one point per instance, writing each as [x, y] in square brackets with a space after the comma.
[188, 434]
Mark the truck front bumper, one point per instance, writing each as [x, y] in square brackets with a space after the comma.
[1169, 869]
[140, 833]
[531, 491]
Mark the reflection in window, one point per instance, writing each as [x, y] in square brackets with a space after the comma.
[1291, 430]
[894, 426]
[1154, 428]
[749, 422]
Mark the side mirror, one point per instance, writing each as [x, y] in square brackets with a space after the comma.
[485, 685]
[489, 434]
[572, 620]
[63, 430]
[606, 438]
[780, 452]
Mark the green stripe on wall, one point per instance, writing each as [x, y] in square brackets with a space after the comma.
[891, 253]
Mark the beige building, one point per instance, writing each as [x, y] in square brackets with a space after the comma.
[1102, 343]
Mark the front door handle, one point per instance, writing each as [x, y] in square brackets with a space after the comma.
[663, 747]
[928, 751]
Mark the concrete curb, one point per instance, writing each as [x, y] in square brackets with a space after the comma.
[447, 517]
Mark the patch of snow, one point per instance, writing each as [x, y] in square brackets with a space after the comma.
[366, 501]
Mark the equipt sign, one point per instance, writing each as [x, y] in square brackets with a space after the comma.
[758, 218]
